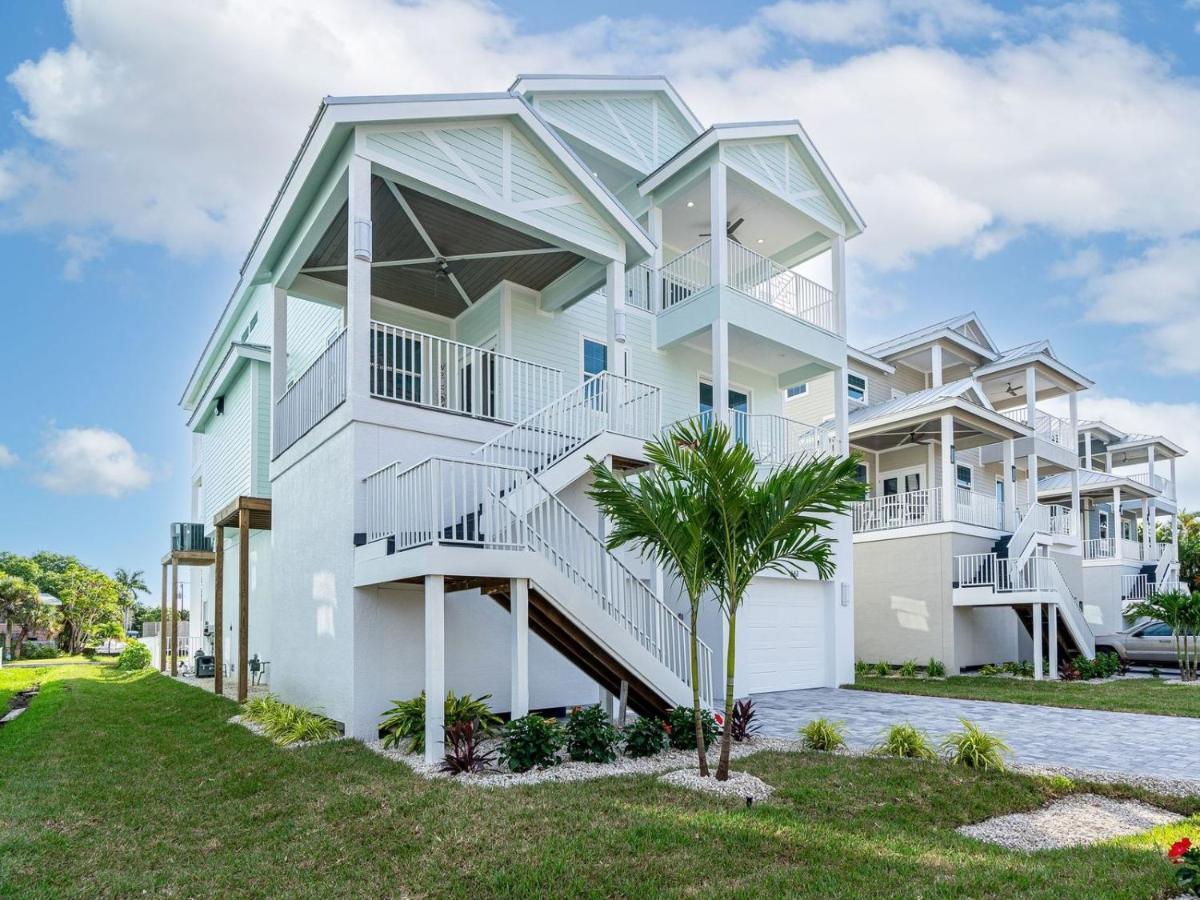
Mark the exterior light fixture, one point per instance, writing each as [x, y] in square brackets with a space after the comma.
[691, 203]
[362, 240]
[760, 240]
[619, 326]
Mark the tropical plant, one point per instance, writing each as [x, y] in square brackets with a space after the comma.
[406, 719]
[130, 584]
[662, 512]
[1105, 665]
[17, 598]
[590, 735]
[935, 669]
[645, 736]
[908, 669]
[1067, 670]
[681, 722]
[134, 657]
[1179, 611]
[974, 748]
[1186, 858]
[286, 724]
[861, 668]
[464, 749]
[907, 741]
[531, 741]
[756, 521]
[881, 669]
[823, 735]
[89, 598]
[1021, 668]
[743, 724]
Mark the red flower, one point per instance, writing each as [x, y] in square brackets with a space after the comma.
[1178, 849]
[666, 728]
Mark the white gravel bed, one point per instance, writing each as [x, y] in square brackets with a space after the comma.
[1170, 787]
[741, 785]
[569, 770]
[1070, 822]
[261, 732]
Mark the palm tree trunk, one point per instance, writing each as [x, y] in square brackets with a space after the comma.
[726, 733]
[701, 750]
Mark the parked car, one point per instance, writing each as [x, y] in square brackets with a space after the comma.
[1147, 641]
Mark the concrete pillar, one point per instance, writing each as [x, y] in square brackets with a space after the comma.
[1038, 652]
[614, 293]
[947, 461]
[1010, 485]
[519, 608]
[1052, 640]
[718, 210]
[720, 370]
[358, 281]
[936, 376]
[841, 413]
[435, 667]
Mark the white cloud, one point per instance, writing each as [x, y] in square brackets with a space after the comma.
[92, 461]
[8, 459]
[173, 123]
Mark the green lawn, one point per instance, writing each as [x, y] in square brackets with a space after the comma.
[119, 784]
[1139, 695]
[15, 680]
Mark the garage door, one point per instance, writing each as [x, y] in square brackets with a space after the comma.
[781, 638]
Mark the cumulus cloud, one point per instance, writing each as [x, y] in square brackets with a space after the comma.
[92, 461]
[146, 118]
[8, 459]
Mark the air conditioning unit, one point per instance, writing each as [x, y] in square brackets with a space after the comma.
[1088, 503]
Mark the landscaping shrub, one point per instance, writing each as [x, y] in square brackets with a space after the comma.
[907, 741]
[989, 669]
[40, 651]
[908, 669]
[935, 669]
[406, 719]
[1021, 668]
[1068, 671]
[531, 741]
[645, 736]
[590, 735]
[1187, 862]
[862, 668]
[683, 728]
[974, 748]
[821, 734]
[743, 725]
[882, 669]
[1105, 665]
[135, 657]
[88, 652]
[464, 750]
[286, 724]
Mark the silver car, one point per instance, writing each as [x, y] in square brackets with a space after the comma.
[1147, 641]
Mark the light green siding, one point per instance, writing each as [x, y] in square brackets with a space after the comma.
[775, 164]
[227, 458]
[310, 326]
[261, 412]
[640, 130]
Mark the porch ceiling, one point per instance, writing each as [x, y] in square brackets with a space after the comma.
[969, 432]
[407, 270]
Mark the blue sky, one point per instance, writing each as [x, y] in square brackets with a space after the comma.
[1035, 163]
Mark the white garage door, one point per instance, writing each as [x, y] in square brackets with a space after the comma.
[781, 638]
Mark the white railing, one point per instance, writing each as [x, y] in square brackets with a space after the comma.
[687, 274]
[639, 282]
[319, 390]
[1131, 549]
[977, 508]
[1099, 548]
[921, 507]
[420, 368]
[768, 282]
[1135, 588]
[777, 439]
[1156, 482]
[470, 503]
[1165, 560]
[1046, 426]
[605, 402]
[379, 490]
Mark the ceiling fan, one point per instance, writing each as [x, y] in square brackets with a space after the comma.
[1010, 390]
[730, 229]
[910, 437]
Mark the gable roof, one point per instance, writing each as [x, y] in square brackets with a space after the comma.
[964, 389]
[559, 84]
[1035, 351]
[966, 330]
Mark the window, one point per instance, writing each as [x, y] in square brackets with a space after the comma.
[962, 476]
[1127, 530]
[796, 390]
[1102, 527]
[856, 387]
[595, 358]
[249, 328]
[1157, 629]
[860, 473]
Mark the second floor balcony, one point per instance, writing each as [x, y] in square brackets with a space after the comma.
[924, 507]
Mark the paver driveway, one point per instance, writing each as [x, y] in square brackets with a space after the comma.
[1134, 743]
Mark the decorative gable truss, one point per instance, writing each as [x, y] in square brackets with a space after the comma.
[639, 130]
[774, 164]
[494, 165]
[972, 331]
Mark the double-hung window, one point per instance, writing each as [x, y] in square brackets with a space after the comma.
[856, 387]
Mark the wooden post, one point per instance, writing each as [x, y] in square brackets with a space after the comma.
[623, 708]
[243, 689]
[174, 617]
[162, 625]
[219, 613]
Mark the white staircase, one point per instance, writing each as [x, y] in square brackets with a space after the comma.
[592, 604]
[1040, 525]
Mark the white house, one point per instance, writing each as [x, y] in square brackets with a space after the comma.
[454, 300]
[986, 538]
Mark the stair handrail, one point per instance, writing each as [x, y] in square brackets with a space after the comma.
[1021, 544]
[1166, 559]
[1085, 638]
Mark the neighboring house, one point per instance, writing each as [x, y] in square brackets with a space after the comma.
[463, 297]
[957, 556]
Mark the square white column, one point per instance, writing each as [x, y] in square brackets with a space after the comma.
[358, 281]
[720, 370]
[936, 377]
[1010, 485]
[519, 609]
[654, 223]
[614, 293]
[948, 480]
[837, 250]
[1037, 642]
[1052, 640]
[435, 667]
[718, 216]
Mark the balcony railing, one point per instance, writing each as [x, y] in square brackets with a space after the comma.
[1046, 426]
[1110, 548]
[768, 282]
[1163, 485]
[639, 282]
[777, 439]
[319, 390]
[924, 507]
[419, 368]
[686, 275]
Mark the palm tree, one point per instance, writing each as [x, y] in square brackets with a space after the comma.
[130, 584]
[1180, 610]
[663, 514]
[758, 521]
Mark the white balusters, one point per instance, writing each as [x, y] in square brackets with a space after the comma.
[319, 390]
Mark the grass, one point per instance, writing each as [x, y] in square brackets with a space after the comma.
[118, 784]
[1137, 695]
[14, 680]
